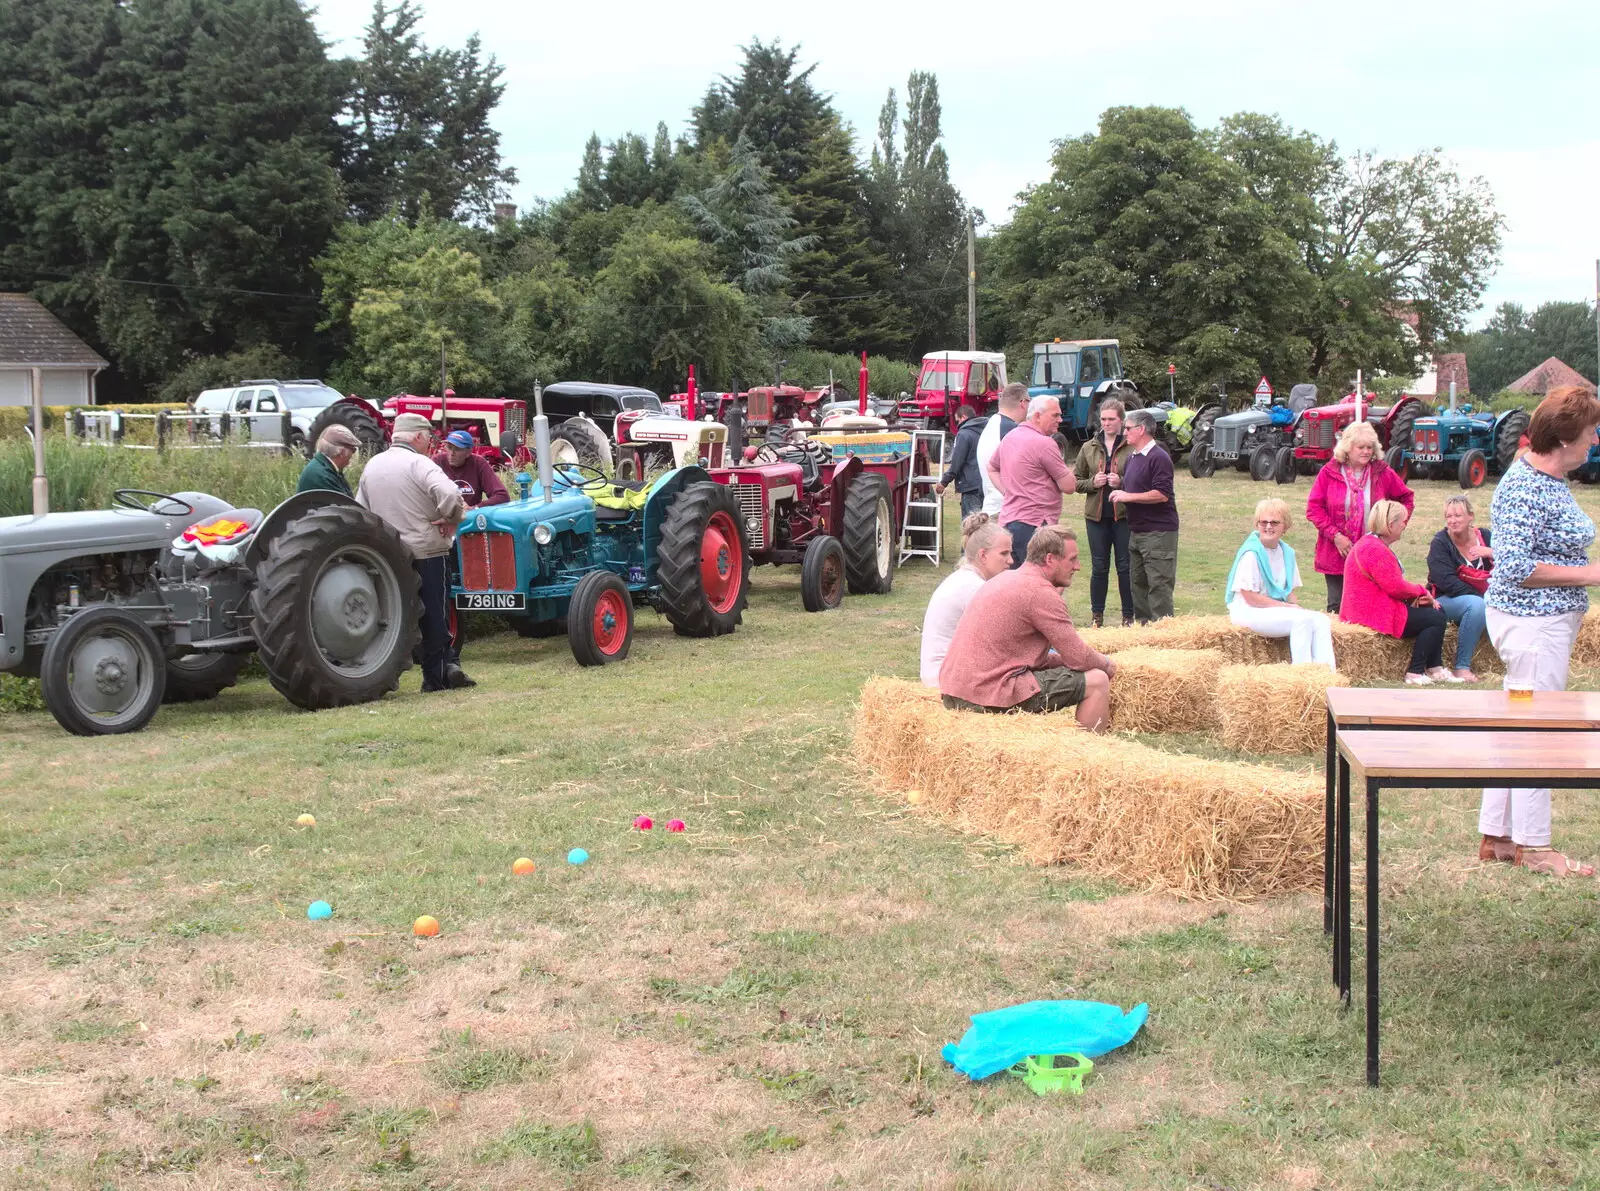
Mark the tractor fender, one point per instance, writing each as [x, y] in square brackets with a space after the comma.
[276, 521]
[844, 472]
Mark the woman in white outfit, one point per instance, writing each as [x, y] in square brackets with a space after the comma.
[1536, 601]
[1261, 590]
[985, 552]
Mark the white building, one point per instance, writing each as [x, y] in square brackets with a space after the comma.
[31, 337]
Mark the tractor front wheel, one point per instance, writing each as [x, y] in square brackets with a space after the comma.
[600, 619]
[822, 575]
[1263, 461]
[1283, 466]
[869, 545]
[336, 608]
[703, 562]
[1474, 469]
[1201, 464]
[196, 677]
[103, 673]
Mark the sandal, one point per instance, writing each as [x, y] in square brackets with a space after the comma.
[1551, 863]
[1497, 848]
[1440, 674]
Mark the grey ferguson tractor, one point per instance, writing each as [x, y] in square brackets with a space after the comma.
[164, 598]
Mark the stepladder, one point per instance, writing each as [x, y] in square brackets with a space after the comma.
[922, 533]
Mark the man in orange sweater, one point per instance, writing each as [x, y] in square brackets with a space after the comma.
[1015, 648]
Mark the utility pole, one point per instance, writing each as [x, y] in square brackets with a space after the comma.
[972, 287]
[444, 411]
[1597, 318]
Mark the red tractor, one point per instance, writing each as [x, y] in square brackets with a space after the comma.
[488, 419]
[1319, 429]
[834, 502]
[767, 409]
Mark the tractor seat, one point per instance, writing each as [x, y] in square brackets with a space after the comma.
[214, 541]
[618, 501]
[607, 513]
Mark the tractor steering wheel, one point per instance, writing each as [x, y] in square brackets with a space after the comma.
[590, 478]
[127, 498]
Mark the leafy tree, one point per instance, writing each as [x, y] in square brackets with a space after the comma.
[1515, 341]
[772, 105]
[658, 306]
[417, 132]
[177, 157]
[540, 333]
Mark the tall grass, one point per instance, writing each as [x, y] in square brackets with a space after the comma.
[85, 477]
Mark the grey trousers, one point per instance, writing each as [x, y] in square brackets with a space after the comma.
[1154, 559]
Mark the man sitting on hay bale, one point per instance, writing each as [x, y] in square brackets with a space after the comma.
[1015, 648]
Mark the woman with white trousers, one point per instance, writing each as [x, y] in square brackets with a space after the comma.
[1536, 601]
[1261, 590]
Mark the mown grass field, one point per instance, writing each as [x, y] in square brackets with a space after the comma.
[758, 1002]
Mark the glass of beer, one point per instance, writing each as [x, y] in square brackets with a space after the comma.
[1519, 690]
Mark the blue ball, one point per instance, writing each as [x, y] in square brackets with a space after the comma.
[318, 911]
[577, 856]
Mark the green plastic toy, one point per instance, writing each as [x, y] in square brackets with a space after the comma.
[1046, 1074]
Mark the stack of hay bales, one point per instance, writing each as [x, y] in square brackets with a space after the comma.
[1199, 828]
[1275, 709]
[1237, 646]
[1165, 690]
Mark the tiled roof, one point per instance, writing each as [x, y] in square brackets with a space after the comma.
[1552, 374]
[31, 335]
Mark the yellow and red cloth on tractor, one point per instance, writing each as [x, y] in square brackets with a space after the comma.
[214, 533]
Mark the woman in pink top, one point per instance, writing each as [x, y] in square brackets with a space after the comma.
[1345, 490]
[1378, 595]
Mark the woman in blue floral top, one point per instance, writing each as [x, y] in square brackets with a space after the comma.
[1536, 600]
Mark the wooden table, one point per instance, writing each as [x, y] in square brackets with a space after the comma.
[1376, 759]
[1352, 708]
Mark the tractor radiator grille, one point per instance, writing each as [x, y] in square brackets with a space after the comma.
[752, 500]
[1320, 434]
[1225, 439]
[515, 422]
[488, 562]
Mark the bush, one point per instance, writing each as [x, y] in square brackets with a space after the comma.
[886, 377]
[20, 694]
[85, 477]
[217, 372]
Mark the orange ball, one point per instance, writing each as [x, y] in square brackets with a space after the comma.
[426, 927]
[522, 866]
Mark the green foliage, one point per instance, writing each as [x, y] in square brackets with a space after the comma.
[1515, 341]
[886, 377]
[416, 124]
[20, 694]
[467, 1067]
[216, 372]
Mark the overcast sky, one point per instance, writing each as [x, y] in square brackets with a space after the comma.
[1508, 92]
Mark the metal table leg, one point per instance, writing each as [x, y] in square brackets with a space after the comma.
[1372, 933]
[1341, 923]
[1329, 763]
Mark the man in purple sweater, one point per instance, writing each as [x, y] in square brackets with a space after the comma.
[1146, 494]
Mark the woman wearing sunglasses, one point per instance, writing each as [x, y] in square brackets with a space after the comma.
[1261, 590]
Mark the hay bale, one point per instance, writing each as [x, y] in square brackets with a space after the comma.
[1367, 656]
[1199, 828]
[1165, 690]
[1237, 645]
[1586, 649]
[1275, 709]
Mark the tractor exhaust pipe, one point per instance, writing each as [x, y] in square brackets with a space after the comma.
[541, 444]
[1452, 396]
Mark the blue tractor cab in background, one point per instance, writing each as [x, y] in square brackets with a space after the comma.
[1460, 443]
[1081, 373]
[576, 551]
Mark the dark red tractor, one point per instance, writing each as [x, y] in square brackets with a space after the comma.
[488, 419]
[1319, 429]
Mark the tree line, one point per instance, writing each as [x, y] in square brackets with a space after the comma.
[199, 190]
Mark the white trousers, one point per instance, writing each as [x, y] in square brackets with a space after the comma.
[1537, 650]
[1310, 633]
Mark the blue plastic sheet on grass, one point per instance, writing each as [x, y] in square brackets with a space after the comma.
[1002, 1037]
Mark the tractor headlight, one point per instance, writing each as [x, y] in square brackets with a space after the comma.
[753, 524]
[543, 534]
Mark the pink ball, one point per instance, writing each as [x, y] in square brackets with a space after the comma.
[676, 825]
[644, 823]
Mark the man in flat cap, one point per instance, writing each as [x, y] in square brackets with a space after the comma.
[336, 446]
[410, 492]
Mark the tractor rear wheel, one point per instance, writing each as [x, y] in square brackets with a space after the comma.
[103, 673]
[1201, 464]
[822, 575]
[1404, 422]
[1283, 466]
[1263, 461]
[868, 540]
[354, 417]
[1200, 431]
[703, 562]
[196, 677]
[600, 619]
[1395, 457]
[1473, 470]
[1508, 438]
[578, 440]
[336, 607]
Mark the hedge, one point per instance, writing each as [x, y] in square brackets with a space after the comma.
[15, 419]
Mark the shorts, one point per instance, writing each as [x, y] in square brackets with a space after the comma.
[1059, 688]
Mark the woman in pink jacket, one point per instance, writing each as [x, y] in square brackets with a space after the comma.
[1346, 488]
[1377, 594]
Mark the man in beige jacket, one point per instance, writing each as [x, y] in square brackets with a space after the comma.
[412, 494]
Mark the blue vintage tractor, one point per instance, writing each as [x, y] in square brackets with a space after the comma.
[578, 549]
[1460, 443]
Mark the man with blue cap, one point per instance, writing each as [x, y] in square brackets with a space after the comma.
[470, 473]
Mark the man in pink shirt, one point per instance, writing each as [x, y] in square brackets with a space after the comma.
[1015, 648]
[1028, 468]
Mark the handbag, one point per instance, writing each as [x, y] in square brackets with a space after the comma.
[1476, 578]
